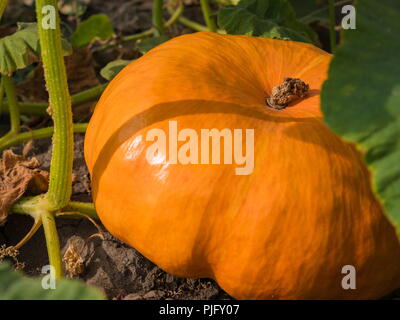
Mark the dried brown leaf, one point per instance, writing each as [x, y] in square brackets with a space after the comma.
[74, 263]
[12, 253]
[19, 176]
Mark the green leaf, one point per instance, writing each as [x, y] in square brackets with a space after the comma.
[147, 44]
[361, 98]
[15, 286]
[20, 49]
[112, 68]
[311, 10]
[266, 18]
[97, 26]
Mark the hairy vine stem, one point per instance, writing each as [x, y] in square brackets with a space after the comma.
[9, 88]
[27, 206]
[185, 21]
[60, 181]
[205, 8]
[157, 17]
[82, 207]
[52, 242]
[36, 134]
[11, 93]
[39, 108]
[60, 103]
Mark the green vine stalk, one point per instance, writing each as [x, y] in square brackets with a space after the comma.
[60, 181]
[39, 108]
[52, 242]
[35, 135]
[157, 17]
[82, 207]
[27, 206]
[88, 95]
[205, 8]
[10, 91]
[185, 21]
[332, 23]
[3, 5]
[193, 25]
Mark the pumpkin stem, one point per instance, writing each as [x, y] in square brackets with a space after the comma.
[290, 90]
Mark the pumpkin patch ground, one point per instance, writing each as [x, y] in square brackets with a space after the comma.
[199, 149]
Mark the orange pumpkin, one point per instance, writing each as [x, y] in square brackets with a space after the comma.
[285, 230]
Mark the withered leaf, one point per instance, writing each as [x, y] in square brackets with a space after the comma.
[19, 176]
[74, 263]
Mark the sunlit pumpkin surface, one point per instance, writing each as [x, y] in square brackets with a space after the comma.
[282, 232]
